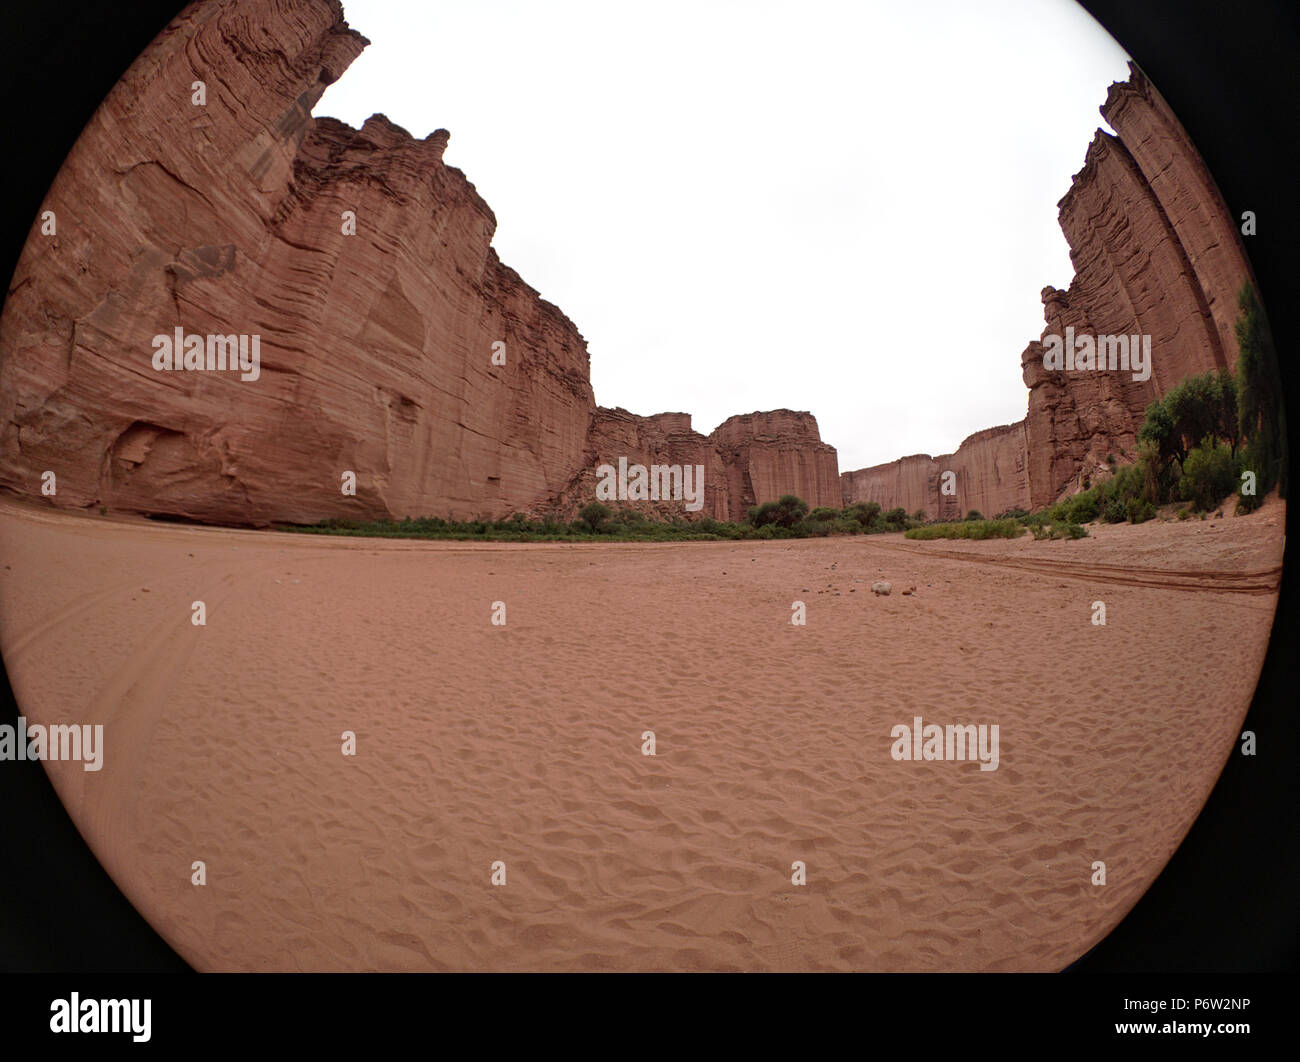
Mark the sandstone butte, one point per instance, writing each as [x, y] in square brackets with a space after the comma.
[376, 348]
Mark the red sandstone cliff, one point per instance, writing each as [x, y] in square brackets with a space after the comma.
[227, 218]
[1155, 252]
[376, 348]
[988, 469]
[767, 455]
[747, 459]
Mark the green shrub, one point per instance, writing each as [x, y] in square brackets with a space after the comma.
[969, 529]
[974, 514]
[1082, 507]
[811, 528]
[864, 514]
[1116, 511]
[1139, 510]
[1059, 530]
[823, 513]
[785, 512]
[1209, 475]
[1260, 413]
[593, 514]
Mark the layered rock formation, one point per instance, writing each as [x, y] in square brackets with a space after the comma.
[747, 459]
[395, 346]
[770, 454]
[393, 343]
[989, 467]
[1156, 253]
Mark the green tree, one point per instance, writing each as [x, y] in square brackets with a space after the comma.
[865, 513]
[1209, 475]
[593, 514]
[1260, 412]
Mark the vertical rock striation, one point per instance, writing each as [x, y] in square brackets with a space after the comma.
[363, 265]
[230, 218]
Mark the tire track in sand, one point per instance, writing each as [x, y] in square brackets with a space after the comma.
[1242, 581]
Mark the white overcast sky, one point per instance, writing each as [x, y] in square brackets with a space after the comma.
[843, 206]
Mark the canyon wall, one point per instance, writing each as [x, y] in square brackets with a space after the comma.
[767, 455]
[1156, 253]
[394, 345]
[988, 467]
[751, 458]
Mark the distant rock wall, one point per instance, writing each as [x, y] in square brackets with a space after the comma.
[747, 459]
[767, 455]
[989, 474]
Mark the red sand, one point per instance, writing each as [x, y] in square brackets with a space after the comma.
[522, 743]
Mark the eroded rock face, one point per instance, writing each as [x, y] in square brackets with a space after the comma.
[229, 218]
[376, 348]
[988, 473]
[1156, 253]
[767, 455]
[747, 459]
[363, 265]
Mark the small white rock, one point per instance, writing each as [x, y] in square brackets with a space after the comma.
[881, 588]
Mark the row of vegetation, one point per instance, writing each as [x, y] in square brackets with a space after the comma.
[1193, 447]
[1011, 524]
[788, 517]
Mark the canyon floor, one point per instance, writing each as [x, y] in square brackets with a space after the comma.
[522, 743]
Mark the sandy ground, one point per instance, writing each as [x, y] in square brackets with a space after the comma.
[478, 743]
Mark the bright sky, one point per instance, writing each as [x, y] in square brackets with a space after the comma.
[843, 206]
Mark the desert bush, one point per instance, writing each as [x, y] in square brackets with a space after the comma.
[1209, 475]
[1139, 510]
[864, 514]
[892, 520]
[1082, 507]
[785, 512]
[811, 528]
[593, 514]
[970, 529]
[1260, 413]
